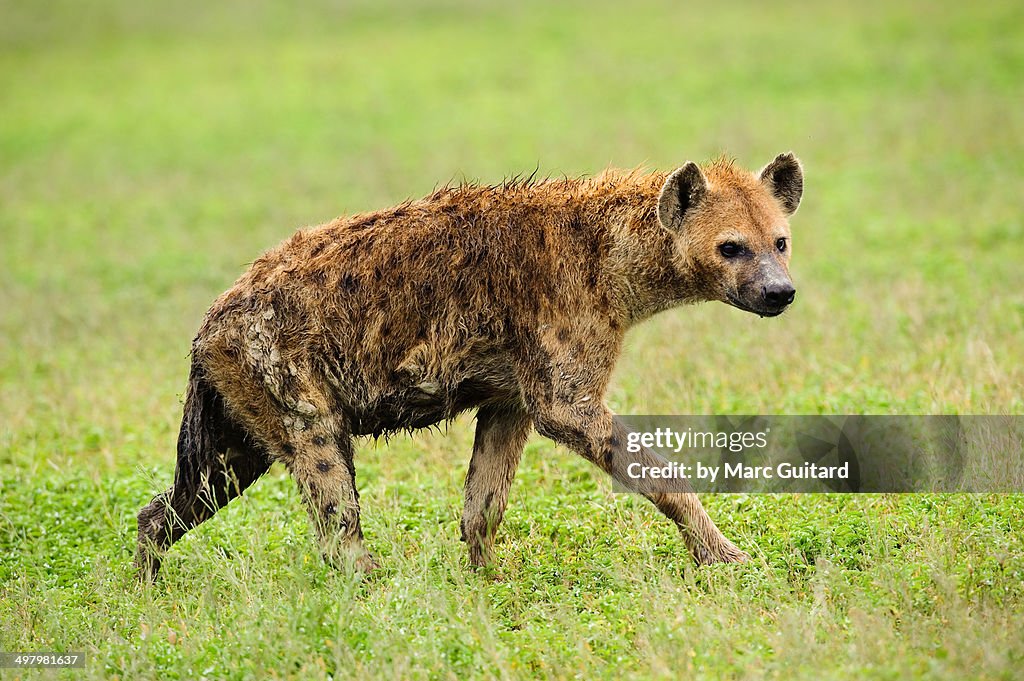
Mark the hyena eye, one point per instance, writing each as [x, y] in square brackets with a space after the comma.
[780, 244]
[730, 249]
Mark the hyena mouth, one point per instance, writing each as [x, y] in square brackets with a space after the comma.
[763, 312]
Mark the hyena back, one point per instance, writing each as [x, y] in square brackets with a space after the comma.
[512, 300]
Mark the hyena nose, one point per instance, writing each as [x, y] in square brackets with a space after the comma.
[778, 295]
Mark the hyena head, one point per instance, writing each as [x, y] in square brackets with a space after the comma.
[731, 230]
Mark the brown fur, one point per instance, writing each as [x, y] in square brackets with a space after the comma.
[513, 299]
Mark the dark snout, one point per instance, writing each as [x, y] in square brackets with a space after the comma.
[776, 287]
[767, 293]
[777, 296]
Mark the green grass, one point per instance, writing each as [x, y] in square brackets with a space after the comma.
[148, 153]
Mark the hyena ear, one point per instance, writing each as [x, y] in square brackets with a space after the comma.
[683, 190]
[784, 178]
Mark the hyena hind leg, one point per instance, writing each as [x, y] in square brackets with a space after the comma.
[194, 498]
[321, 461]
[501, 433]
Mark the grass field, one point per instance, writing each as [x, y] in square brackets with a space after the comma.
[148, 153]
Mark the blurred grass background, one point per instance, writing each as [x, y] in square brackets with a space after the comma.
[148, 152]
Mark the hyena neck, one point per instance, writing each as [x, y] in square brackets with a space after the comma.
[644, 272]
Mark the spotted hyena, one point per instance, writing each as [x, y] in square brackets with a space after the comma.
[512, 300]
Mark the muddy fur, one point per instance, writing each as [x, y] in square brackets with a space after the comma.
[510, 299]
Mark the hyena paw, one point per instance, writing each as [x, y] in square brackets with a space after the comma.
[480, 555]
[726, 552]
[352, 561]
[366, 563]
[146, 569]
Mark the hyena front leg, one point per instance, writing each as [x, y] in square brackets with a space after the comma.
[501, 433]
[600, 437]
[566, 399]
[321, 461]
